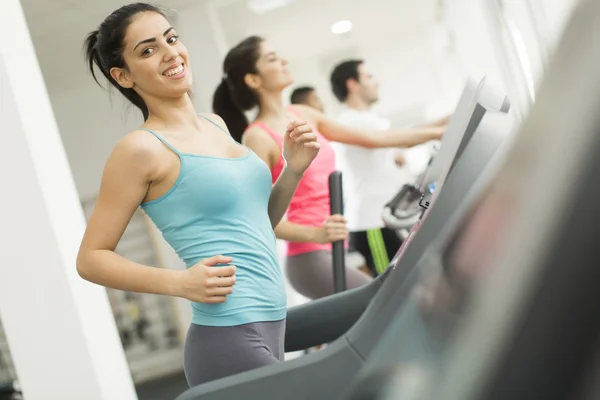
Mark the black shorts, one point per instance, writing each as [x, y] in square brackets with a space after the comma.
[378, 246]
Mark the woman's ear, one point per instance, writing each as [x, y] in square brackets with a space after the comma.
[121, 76]
[253, 81]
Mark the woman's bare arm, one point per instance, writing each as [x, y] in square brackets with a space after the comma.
[284, 188]
[125, 181]
[337, 132]
[263, 145]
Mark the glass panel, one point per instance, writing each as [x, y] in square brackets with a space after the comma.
[526, 34]
[513, 57]
[552, 16]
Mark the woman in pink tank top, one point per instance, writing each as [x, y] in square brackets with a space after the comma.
[255, 76]
[310, 204]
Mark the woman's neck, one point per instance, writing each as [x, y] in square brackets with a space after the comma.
[172, 113]
[271, 107]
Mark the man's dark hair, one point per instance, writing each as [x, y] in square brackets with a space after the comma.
[300, 95]
[340, 75]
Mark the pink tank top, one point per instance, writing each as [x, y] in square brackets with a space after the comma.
[310, 204]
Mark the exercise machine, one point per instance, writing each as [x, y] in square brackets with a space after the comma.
[324, 374]
[523, 320]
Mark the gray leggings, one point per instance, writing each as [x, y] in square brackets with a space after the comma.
[311, 274]
[214, 352]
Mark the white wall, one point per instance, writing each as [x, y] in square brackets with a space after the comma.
[408, 79]
[91, 121]
[414, 84]
[196, 28]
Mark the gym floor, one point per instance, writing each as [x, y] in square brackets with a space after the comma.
[167, 388]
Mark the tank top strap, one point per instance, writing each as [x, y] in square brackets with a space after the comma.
[214, 123]
[278, 138]
[163, 140]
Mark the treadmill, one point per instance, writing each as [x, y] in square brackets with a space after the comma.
[522, 320]
[413, 346]
[324, 374]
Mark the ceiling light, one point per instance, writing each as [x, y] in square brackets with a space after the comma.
[341, 27]
[264, 6]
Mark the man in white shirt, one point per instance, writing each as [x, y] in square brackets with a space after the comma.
[371, 177]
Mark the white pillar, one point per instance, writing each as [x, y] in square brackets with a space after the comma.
[60, 328]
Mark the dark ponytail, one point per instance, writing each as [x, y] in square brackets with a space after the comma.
[104, 48]
[232, 114]
[91, 54]
[233, 96]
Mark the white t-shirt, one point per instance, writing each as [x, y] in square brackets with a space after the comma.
[371, 177]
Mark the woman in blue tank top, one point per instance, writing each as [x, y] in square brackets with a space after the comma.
[211, 198]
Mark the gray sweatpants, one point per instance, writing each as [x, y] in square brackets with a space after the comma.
[311, 274]
[213, 352]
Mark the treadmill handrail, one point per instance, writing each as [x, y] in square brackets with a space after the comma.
[327, 319]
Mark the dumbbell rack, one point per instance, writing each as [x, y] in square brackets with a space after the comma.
[147, 324]
[8, 375]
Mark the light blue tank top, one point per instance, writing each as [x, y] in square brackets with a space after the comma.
[220, 206]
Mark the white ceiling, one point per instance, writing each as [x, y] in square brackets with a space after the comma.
[58, 27]
[303, 27]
